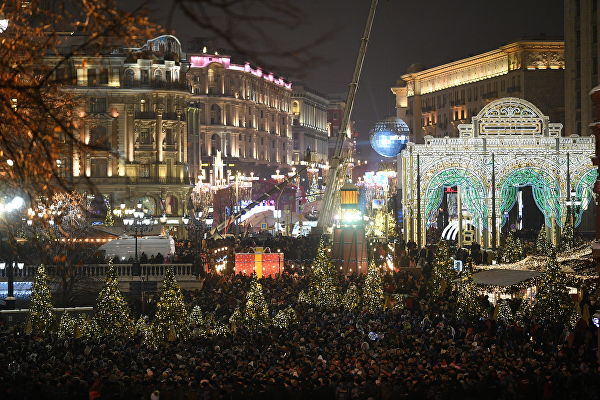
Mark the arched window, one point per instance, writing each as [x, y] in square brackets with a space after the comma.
[99, 138]
[215, 144]
[215, 115]
[295, 107]
[172, 205]
[157, 76]
[129, 77]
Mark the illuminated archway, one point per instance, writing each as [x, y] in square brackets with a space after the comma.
[546, 192]
[584, 190]
[473, 194]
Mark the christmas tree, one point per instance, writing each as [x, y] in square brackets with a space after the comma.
[351, 299]
[40, 318]
[171, 317]
[112, 312]
[468, 303]
[513, 250]
[236, 320]
[108, 220]
[542, 245]
[66, 326]
[505, 313]
[256, 312]
[442, 273]
[373, 289]
[323, 289]
[567, 237]
[552, 301]
[284, 318]
[523, 314]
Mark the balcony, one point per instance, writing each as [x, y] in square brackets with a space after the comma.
[167, 116]
[126, 180]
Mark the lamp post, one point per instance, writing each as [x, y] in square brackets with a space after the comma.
[137, 223]
[6, 209]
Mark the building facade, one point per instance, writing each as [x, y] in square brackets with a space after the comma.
[239, 118]
[581, 54]
[310, 131]
[510, 145]
[133, 121]
[435, 101]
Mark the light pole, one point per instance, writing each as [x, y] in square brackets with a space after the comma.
[137, 223]
[6, 209]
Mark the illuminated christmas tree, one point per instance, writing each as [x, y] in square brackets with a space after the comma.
[442, 273]
[284, 318]
[542, 245]
[552, 301]
[351, 299]
[40, 319]
[112, 312]
[468, 304]
[513, 250]
[236, 320]
[372, 294]
[505, 313]
[108, 220]
[256, 312]
[567, 237]
[171, 317]
[322, 291]
[523, 314]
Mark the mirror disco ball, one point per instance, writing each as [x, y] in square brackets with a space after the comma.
[389, 137]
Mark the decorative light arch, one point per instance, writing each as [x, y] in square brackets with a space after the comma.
[584, 190]
[546, 192]
[473, 193]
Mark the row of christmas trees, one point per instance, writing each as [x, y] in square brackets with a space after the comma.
[172, 319]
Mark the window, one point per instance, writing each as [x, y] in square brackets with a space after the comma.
[168, 76]
[215, 114]
[145, 136]
[456, 115]
[129, 77]
[215, 144]
[295, 107]
[169, 137]
[462, 114]
[145, 76]
[97, 104]
[99, 167]
[92, 79]
[103, 80]
[145, 172]
[99, 138]
[157, 75]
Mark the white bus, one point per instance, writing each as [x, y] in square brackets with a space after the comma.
[124, 246]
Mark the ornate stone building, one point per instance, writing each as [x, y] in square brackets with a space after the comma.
[435, 101]
[133, 119]
[239, 116]
[310, 130]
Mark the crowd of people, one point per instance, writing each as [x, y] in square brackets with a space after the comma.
[416, 350]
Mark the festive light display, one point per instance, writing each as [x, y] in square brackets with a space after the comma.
[171, 317]
[284, 318]
[383, 224]
[389, 137]
[568, 240]
[372, 293]
[513, 249]
[323, 281]
[524, 312]
[259, 263]
[236, 320]
[256, 314]
[351, 299]
[40, 319]
[443, 271]
[112, 311]
[553, 302]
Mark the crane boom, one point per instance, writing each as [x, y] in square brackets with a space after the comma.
[340, 158]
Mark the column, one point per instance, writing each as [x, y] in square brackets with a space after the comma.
[159, 134]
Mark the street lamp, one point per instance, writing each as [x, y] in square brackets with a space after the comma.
[137, 224]
[6, 208]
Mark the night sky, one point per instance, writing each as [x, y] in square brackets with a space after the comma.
[430, 32]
